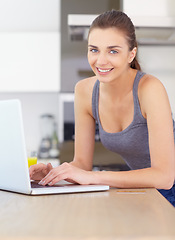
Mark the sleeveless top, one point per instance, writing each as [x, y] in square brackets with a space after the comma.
[131, 143]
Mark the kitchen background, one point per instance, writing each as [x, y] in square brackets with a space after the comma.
[40, 64]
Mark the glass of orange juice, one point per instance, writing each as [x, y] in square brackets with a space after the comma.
[32, 158]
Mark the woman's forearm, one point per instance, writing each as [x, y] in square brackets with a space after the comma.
[148, 177]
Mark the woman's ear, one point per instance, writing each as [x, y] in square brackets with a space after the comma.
[132, 54]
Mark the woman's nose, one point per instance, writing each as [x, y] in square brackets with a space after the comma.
[102, 59]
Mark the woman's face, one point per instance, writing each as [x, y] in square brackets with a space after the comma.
[108, 53]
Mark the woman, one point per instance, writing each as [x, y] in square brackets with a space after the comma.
[132, 110]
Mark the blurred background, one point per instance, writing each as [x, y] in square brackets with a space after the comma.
[43, 47]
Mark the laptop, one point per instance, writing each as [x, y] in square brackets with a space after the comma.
[14, 172]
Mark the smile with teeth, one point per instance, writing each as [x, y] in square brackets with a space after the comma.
[104, 70]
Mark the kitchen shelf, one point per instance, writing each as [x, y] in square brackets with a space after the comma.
[155, 36]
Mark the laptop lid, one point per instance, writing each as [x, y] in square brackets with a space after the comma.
[14, 173]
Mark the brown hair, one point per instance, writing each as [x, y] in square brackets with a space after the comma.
[121, 21]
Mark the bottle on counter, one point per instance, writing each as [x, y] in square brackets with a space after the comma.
[54, 150]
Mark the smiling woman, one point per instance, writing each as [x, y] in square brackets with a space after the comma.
[119, 21]
[132, 110]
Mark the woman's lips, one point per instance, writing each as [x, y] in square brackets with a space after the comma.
[104, 70]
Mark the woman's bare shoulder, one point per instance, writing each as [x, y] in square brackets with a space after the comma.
[83, 94]
[150, 85]
[151, 93]
[85, 86]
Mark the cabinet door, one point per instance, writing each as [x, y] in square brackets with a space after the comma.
[30, 61]
[29, 15]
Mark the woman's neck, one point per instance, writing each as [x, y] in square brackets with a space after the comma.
[121, 87]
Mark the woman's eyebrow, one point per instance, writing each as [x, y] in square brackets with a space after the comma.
[116, 46]
[109, 47]
[92, 46]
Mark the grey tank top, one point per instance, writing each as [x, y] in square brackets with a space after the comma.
[131, 143]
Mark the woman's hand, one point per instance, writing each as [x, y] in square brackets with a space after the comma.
[39, 171]
[68, 172]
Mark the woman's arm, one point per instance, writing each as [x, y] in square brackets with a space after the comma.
[157, 110]
[84, 125]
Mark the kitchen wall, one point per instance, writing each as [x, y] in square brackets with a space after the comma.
[24, 60]
[160, 62]
[33, 106]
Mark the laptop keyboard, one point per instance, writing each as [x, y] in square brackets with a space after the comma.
[36, 185]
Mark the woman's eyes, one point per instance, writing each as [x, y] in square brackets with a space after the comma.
[113, 51]
[93, 50]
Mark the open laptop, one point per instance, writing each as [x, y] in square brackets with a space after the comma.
[14, 172]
